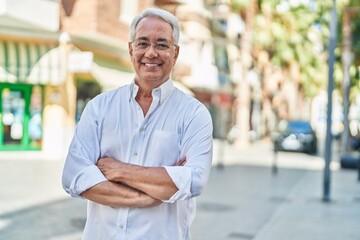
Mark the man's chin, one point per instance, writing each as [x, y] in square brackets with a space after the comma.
[151, 78]
[155, 81]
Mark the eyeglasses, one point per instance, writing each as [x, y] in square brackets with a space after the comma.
[160, 46]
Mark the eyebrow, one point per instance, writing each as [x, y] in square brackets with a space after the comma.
[157, 40]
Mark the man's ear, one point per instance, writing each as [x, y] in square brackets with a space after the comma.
[177, 50]
[130, 48]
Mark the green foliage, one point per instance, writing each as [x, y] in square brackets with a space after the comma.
[296, 34]
[353, 8]
[301, 33]
[355, 26]
[237, 5]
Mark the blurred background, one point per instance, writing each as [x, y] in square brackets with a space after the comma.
[257, 65]
[252, 63]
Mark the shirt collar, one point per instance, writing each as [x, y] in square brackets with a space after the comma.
[163, 91]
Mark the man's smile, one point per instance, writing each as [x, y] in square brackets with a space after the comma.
[152, 64]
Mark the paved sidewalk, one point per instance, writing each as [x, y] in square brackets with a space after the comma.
[249, 202]
[243, 200]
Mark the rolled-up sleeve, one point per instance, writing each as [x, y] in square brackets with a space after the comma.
[80, 171]
[197, 146]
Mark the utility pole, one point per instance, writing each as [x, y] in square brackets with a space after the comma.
[332, 45]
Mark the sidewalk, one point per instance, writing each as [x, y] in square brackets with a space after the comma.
[250, 203]
[243, 200]
[247, 201]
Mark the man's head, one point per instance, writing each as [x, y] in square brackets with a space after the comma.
[153, 48]
[156, 12]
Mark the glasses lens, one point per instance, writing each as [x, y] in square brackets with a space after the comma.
[141, 44]
[144, 45]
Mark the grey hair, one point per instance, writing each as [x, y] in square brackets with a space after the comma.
[156, 12]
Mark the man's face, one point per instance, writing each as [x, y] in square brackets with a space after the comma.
[153, 53]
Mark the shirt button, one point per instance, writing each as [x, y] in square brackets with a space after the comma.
[136, 154]
[121, 226]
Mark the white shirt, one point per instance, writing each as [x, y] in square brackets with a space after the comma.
[113, 125]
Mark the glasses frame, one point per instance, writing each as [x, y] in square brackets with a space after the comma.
[156, 45]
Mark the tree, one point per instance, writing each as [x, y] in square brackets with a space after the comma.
[350, 51]
[287, 42]
[248, 11]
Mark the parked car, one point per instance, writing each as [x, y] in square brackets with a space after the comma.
[350, 160]
[295, 135]
[351, 157]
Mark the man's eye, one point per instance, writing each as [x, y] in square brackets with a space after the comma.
[162, 46]
[142, 44]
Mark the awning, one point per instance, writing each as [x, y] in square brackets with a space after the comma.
[111, 78]
[31, 63]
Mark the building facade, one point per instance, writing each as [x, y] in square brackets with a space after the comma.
[60, 54]
[32, 75]
[54, 58]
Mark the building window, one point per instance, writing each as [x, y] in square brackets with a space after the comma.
[128, 10]
[13, 111]
[35, 120]
[86, 90]
[21, 109]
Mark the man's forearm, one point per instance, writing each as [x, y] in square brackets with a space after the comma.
[153, 181]
[118, 195]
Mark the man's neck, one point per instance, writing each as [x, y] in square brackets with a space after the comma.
[144, 98]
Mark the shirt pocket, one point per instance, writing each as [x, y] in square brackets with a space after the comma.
[164, 148]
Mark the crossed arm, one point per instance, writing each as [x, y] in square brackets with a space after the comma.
[131, 185]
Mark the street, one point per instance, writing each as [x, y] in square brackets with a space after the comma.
[244, 199]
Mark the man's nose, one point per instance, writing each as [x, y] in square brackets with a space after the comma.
[152, 49]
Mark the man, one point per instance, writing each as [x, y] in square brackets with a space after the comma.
[142, 152]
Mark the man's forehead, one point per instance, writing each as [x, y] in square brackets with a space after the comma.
[153, 18]
[159, 23]
[146, 28]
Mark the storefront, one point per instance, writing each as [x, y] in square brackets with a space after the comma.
[21, 111]
[44, 87]
[26, 69]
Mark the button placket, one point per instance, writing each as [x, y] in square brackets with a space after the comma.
[122, 223]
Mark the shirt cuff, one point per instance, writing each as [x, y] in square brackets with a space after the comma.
[86, 179]
[181, 176]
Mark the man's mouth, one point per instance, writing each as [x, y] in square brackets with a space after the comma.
[152, 64]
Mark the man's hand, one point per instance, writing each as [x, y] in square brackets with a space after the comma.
[110, 167]
[181, 162]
